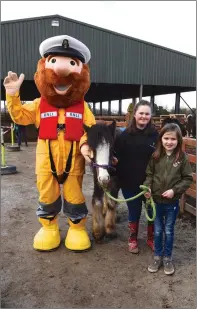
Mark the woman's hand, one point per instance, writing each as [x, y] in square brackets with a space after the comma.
[148, 194]
[168, 194]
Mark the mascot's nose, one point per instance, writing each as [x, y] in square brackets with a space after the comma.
[62, 70]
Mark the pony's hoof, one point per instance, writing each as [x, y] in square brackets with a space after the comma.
[99, 241]
[98, 238]
[111, 235]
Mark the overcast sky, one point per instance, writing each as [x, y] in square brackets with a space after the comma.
[168, 23]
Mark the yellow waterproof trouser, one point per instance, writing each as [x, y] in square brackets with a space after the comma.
[50, 201]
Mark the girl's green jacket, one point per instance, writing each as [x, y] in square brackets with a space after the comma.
[165, 174]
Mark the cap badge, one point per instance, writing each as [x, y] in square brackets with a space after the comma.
[65, 43]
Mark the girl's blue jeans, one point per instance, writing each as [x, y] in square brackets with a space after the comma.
[166, 215]
[135, 206]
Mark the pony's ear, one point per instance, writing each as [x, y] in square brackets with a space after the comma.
[112, 127]
[86, 128]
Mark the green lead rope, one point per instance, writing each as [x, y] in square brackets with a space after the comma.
[149, 202]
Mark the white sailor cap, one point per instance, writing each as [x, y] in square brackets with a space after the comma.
[66, 46]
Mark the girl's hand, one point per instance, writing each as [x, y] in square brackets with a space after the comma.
[114, 161]
[168, 194]
[148, 194]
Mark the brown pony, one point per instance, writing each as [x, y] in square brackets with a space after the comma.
[101, 140]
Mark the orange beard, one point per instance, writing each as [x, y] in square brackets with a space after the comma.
[46, 78]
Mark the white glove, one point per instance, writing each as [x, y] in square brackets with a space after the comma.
[12, 83]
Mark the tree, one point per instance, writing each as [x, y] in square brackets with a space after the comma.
[160, 110]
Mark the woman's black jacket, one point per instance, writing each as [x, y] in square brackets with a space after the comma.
[133, 151]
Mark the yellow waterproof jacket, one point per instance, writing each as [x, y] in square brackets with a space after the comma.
[30, 114]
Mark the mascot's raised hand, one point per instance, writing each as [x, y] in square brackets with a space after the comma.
[12, 83]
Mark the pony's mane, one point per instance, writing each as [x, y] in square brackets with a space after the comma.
[99, 133]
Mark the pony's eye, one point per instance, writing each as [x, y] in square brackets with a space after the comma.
[53, 60]
[72, 62]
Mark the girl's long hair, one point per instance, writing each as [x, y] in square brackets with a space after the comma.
[160, 151]
[132, 128]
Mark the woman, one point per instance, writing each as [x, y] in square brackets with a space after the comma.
[134, 148]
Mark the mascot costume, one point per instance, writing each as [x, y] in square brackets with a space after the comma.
[62, 78]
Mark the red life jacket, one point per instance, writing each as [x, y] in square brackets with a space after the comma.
[49, 121]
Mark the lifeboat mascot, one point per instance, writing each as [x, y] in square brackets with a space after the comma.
[62, 78]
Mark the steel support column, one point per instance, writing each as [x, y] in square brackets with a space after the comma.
[141, 92]
[94, 108]
[101, 108]
[109, 108]
[152, 100]
[120, 107]
[177, 103]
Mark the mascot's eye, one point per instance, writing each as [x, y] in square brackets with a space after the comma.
[53, 60]
[72, 62]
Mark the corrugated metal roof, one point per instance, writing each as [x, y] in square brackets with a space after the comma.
[116, 58]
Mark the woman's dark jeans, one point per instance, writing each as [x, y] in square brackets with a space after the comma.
[135, 206]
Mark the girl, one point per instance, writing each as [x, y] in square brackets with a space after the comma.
[169, 175]
[133, 149]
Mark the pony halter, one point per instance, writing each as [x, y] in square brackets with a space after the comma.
[104, 166]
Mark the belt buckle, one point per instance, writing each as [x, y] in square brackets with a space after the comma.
[61, 127]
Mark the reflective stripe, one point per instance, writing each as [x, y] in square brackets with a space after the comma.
[45, 210]
[74, 115]
[75, 211]
[48, 114]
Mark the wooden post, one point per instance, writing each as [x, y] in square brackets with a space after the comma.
[182, 204]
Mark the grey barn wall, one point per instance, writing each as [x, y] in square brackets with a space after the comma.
[116, 59]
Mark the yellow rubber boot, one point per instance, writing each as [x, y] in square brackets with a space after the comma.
[48, 237]
[77, 238]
